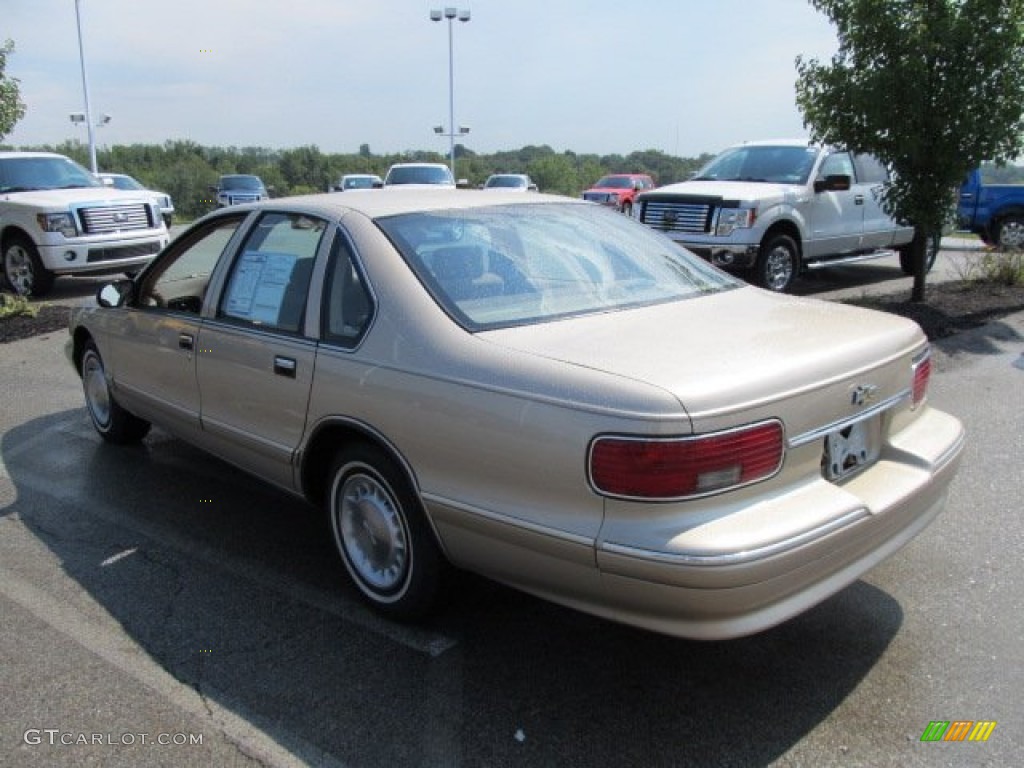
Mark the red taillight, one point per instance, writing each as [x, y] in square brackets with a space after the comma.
[651, 468]
[922, 369]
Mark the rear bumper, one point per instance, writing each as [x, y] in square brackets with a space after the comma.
[759, 580]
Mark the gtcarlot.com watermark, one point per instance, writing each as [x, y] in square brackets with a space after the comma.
[55, 737]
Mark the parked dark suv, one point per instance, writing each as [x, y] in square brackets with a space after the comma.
[239, 188]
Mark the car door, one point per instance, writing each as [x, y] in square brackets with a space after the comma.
[836, 217]
[255, 364]
[151, 348]
[879, 228]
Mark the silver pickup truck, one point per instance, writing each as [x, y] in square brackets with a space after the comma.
[774, 208]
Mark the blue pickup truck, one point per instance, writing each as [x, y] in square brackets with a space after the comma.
[995, 212]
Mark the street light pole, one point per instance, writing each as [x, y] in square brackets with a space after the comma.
[85, 91]
[451, 14]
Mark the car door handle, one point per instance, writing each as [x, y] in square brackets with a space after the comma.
[186, 341]
[858, 200]
[284, 366]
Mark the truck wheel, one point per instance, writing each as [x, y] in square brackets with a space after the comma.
[907, 255]
[778, 264]
[23, 270]
[1010, 234]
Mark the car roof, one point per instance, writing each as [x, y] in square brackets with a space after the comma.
[8, 154]
[375, 203]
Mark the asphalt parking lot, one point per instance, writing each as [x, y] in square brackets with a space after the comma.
[154, 595]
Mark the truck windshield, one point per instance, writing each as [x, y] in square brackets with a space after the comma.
[772, 164]
[30, 173]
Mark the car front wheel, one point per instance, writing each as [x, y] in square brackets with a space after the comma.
[114, 423]
[777, 264]
[23, 269]
[382, 534]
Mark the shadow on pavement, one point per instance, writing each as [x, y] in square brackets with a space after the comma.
[207, 571]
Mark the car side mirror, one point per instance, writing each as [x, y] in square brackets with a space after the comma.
[532, 188]
[835, 182]
[115, 294]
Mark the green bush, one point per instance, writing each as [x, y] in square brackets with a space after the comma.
[14, 306]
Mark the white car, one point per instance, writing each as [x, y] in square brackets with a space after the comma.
[510, 182]
[436, 175]
[130, 183]
[358, 181]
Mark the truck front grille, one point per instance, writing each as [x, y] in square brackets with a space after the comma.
[677, 216]
[104, 219]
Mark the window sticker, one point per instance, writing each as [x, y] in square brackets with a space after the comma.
[258, 285]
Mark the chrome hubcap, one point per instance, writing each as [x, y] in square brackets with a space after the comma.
[778, 269]
[97, 396]
[372, 533]
[1011, 235]
[18, 269]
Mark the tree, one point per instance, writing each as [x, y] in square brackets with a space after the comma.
[930, 87]
[12, 108]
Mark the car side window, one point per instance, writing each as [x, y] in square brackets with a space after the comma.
[837, 164]
[178, 281]
[348, 305]
[870, 170]
[269, 281]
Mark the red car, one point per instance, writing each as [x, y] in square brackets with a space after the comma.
[618, 190]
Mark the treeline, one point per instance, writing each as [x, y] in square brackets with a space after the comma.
[186, 170]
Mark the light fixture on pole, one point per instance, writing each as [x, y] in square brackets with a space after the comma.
[450, 14]
[87, 118]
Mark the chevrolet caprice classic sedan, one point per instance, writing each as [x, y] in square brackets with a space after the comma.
[538, 390]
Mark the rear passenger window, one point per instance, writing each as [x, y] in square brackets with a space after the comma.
[348, 306]
[269, 281]
[870, 170]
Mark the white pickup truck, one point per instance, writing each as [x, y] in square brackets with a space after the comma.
[56, 218]
[774, 208]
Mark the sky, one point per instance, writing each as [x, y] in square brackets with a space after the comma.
[590, 76]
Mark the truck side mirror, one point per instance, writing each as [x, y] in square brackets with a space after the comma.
[835, 182]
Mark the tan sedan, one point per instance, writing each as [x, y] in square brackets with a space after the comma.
[535, 389]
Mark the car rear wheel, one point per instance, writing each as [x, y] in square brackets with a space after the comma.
[114, 423]
[777, 264]
[23, 270]
[1010, 235]
[382, 534]
[907, 254]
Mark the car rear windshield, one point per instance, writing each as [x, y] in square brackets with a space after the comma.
[419, 175]
[509, 265]
[506, 181]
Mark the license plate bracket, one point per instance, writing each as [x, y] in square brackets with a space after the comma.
[850, 449]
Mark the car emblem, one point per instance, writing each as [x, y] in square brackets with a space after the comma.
[120, 218]
[668, 218]
[863, 394]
